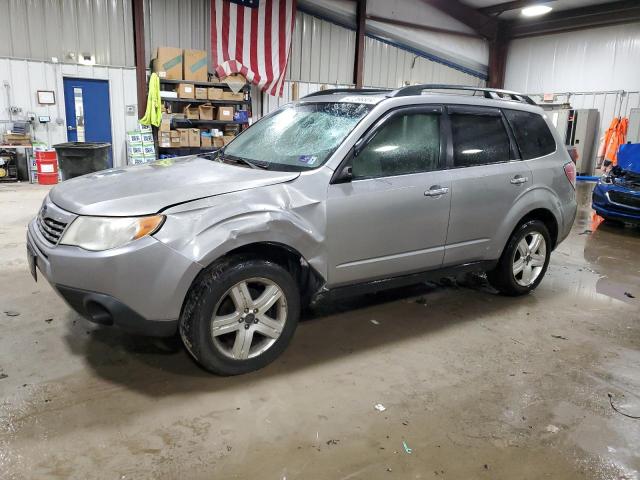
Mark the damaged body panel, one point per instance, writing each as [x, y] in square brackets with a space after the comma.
[617, 194]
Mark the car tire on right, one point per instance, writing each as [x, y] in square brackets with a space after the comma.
[524, 260]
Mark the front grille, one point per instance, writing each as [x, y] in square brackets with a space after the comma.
[50, 229]
[625, 199]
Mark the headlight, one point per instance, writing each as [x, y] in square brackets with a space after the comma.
[103, 233]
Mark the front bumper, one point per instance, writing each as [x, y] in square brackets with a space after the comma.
[139, 287]
[604, 207]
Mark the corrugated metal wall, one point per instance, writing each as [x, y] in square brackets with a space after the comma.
[172, 23]
[386, 65]
[321, 51]
[26, 77]
[41, 29]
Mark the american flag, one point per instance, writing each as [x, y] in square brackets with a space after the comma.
[253, 37]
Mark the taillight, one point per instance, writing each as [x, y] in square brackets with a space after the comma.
[570, 172]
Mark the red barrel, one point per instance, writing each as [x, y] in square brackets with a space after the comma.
[47, 167]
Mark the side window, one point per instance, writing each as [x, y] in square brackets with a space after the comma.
[408, 143]
[478, 140]
[532, 134]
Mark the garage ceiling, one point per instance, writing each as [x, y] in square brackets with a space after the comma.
[489, 6]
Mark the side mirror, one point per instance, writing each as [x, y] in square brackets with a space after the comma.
[345, 176]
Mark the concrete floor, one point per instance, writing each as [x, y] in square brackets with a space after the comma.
[477, 385]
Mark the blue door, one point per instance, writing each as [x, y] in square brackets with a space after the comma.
[86, 103]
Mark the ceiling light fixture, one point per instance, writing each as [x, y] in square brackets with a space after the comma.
[535, 10]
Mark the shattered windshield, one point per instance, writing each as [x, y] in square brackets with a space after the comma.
[297, 137]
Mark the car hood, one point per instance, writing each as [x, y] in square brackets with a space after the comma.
[150, 188]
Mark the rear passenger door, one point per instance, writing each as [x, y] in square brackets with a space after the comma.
[487, 176]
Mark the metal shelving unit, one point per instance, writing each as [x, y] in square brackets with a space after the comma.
[186, 123]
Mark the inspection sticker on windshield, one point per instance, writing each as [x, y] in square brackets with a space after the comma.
[308, 159]
[370, 99]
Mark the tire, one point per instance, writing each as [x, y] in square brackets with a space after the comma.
[534, 261]
[219, 342]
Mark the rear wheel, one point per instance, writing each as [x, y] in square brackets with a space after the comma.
[524, 260]
[240, 315]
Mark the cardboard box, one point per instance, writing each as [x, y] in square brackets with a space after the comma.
[168, 63]
[205, 139]
[195, 65]
[227, 138]
[165, 124]
[194, 137]
[191, 113]
[134, 149]
[148, 149]
[144, 128]
[164, 139]
[176, 138]
[134, 136]
[147, 138]
[217, 142]
[206, 111]
[136, 159]
[186, 90]
[214, 93]
[201, 93]
[184, 137]
[225, 113]
[237, 97]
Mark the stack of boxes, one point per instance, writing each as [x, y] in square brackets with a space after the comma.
[140, 146]
[176, 64]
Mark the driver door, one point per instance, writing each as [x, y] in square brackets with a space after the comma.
[391, 218]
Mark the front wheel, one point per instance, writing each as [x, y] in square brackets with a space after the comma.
[524, 260]
[240, 315]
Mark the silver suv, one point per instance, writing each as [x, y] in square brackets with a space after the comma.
[342, 192]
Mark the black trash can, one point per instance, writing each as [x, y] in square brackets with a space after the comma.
[80, 158]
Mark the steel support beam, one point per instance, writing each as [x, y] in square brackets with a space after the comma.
[361, 18]
[420, 26]
[139, 55]
[498, 48]
[481, 23]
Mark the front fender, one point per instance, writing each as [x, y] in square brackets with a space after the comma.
[210, 228]
[540, 197]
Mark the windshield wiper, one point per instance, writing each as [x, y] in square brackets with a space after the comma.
[260, 166]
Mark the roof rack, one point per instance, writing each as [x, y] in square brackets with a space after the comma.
[355, 91]
[491, 93]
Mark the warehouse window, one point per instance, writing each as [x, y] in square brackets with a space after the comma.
[478, 140]
[532, 134]
[408, 143]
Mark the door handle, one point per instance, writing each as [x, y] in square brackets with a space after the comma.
[519, 180]
[436, 191]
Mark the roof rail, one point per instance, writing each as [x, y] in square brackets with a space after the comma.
[355, 91]
[491, 93]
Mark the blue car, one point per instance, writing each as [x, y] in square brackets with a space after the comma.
[617, 194]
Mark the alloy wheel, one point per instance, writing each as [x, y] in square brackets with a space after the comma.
[249, 318]
[529, 259]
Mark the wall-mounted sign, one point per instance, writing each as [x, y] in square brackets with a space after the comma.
[46, 97]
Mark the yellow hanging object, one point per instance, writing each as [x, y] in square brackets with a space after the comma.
[153, 115]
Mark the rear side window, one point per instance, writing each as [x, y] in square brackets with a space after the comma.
[532, 134]
[408, 143]
[478, 140]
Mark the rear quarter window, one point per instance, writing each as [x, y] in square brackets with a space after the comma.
[532, 134]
